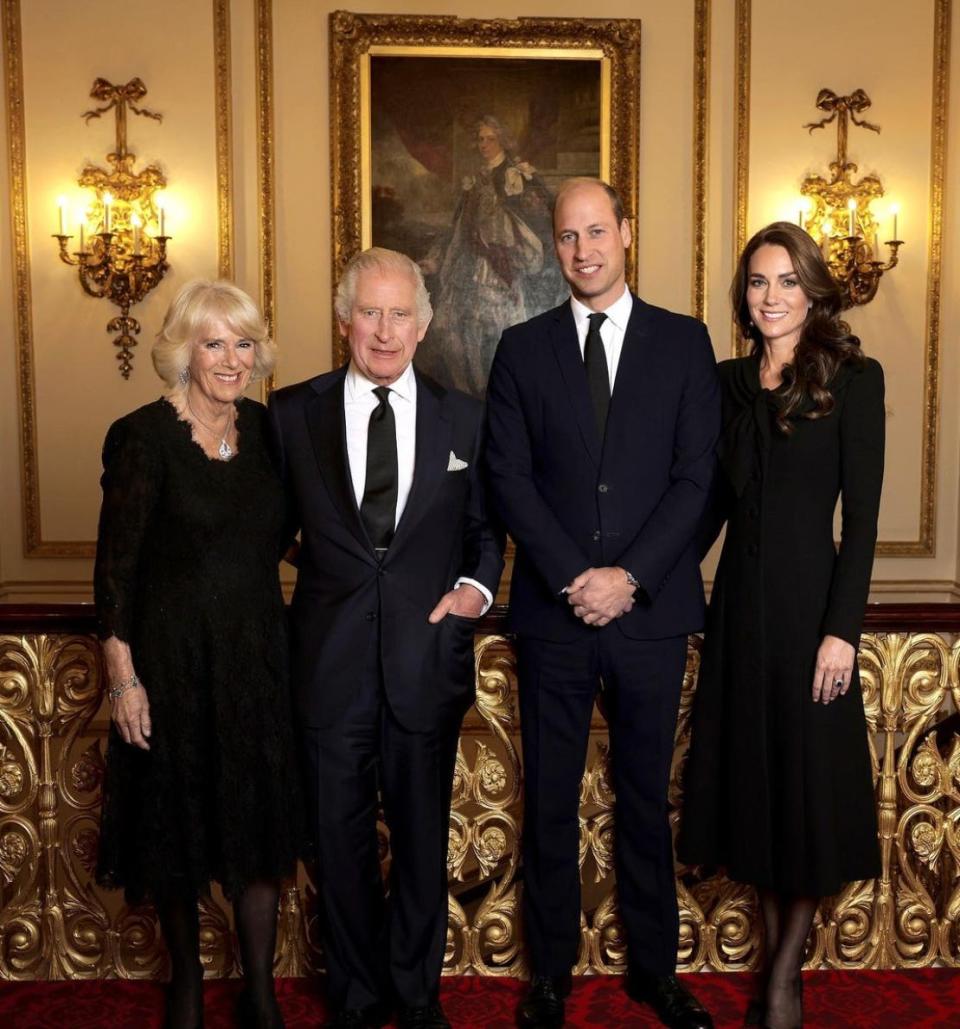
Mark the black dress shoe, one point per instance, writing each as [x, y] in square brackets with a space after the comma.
[674, 1004]
[370, 1017]
[430, 1016]
[542, 1008]
[756, 1010]
[249, 1016]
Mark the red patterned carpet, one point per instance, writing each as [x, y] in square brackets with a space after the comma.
[920, 999]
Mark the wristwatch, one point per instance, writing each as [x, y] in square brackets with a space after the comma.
[633, 580]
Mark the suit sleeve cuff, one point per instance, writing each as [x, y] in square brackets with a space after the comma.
[487, 596]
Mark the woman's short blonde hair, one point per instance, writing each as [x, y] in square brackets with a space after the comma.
[190, 317]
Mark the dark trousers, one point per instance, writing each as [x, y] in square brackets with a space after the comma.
[641, 680]
[377, 950]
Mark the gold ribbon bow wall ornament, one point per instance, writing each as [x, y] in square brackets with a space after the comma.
[839, 216]
[126, 254]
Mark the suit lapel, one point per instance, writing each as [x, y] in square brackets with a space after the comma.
[328, 433]
[566, 349]
[432, 454]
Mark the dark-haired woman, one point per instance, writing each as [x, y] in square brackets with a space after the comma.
[778, 782]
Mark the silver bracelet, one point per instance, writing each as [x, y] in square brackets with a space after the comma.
[118, 689]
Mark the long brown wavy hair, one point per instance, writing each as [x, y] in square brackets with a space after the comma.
[826, 341]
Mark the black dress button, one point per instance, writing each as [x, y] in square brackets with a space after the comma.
[370, 616]
[596, 536]
[752, 549]
[603, 487]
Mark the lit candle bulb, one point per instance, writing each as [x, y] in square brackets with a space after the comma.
[161, 205]
[107, 201]
[61, 205]
[81, 239]
[136, 223]
[895, 210]
[851, 208]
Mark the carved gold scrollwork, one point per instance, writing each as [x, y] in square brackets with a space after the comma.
[55, 922]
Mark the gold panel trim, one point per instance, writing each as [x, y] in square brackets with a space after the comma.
[742, 145]
[925, 544]
[265, 165]
[224, 104]
[701, 151]
[53, 725]
[34, 545]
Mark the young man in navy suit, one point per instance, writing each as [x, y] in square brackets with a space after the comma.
[397, 560]
[602, 417]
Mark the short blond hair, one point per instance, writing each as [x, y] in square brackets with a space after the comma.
[190, 315]
[382, 260]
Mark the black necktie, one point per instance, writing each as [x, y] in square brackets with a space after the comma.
[379, 507]
[598, 378]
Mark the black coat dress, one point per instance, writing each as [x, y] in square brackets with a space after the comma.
[778, 789]
[187, 574]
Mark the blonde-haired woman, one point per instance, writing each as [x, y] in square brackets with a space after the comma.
[201, 778]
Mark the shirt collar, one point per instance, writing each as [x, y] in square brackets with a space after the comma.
[357, 384]
[618, 312]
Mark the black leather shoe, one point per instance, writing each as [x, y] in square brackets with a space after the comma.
[429, 1017]
[542, 1008]
[372, 1017]
[674, 1004]
[248, 1016]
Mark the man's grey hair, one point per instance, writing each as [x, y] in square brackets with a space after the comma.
[382, 260]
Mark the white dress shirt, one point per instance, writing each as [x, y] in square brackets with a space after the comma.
[611, 331]
[359, 402]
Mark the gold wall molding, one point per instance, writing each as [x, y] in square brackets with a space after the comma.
[266, 215]
[56, 923]
[741, 152]
[34, 545]
[701, 151]
[925, 543]
[223, 98]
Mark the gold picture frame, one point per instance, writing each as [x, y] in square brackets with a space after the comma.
[598, 59]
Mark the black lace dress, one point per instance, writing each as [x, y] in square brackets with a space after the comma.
[187, 574]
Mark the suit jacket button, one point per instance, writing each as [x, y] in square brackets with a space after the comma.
[370, 616]
[752, 550]
[596, 537]
[603, 487]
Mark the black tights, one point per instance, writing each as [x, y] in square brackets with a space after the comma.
[181, 932]
[786, 925]
[255, 912]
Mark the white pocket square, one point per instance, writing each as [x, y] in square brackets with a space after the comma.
[455, 464]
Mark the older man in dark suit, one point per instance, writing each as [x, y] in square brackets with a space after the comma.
[602, 420]
[396, 562]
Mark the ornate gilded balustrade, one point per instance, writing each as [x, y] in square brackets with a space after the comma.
[56, 923]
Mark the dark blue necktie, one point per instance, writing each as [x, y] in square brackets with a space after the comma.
[598, 378]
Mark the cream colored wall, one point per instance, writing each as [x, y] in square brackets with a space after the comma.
[79, 390]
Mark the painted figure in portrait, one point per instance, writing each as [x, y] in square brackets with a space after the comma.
[465, 155]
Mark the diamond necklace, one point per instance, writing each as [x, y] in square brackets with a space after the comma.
[224, 450]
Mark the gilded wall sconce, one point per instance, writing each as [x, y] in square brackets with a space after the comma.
[126, 254]
[837, 212]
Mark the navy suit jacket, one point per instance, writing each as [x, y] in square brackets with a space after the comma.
[346, 603]
[636, 500]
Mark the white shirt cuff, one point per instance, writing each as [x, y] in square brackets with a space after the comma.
[487, 597]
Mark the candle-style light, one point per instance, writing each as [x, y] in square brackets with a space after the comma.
[61, 207]
[118, 263]
[895, 210]
[161, 202]
[851, 209]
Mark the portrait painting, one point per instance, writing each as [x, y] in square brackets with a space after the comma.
[464, 132]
